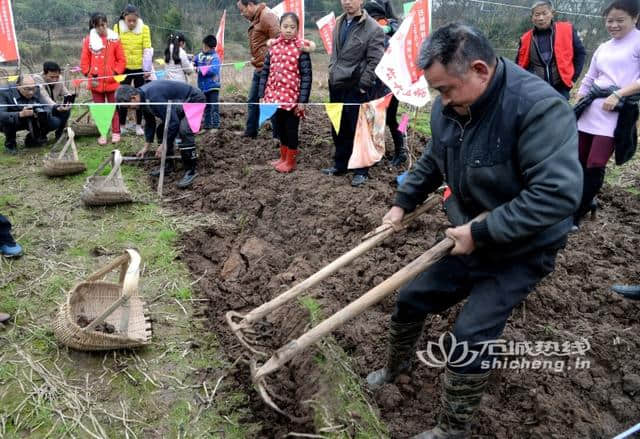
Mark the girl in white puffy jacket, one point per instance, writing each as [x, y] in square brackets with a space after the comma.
[178, 65]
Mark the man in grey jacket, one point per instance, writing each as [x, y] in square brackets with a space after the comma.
[506, 144]
[358, 46]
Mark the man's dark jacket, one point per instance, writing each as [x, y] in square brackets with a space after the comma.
[353, 64]
[16, 103]
[164, 91]
[516, 157]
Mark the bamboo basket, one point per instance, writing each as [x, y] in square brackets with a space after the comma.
[66, 162]
[83, 126]
[100, 302]
[102, 191]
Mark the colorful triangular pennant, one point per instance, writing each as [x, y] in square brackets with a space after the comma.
[119, 78]
[266, 111]
[194, 113]
[239, 65]
[334, 111]
[204, 70]
[102, 115]
[402, 126]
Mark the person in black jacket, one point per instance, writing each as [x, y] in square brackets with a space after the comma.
[551, 50]
[285, 79]
[358, 46]
[505, 143]
[160, 92]
[382, 13]
[23, 108]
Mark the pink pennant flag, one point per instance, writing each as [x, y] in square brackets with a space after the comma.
[402, 126]
[194, 113]
[204, 70]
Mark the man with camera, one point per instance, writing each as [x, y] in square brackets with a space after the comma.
[54, 92]
[23, 108]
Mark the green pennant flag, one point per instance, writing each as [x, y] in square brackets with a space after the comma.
[406, 8]
[102, 115]
[239, 65]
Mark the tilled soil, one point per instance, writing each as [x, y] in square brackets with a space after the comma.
[278, 229]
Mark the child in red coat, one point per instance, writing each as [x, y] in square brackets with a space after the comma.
[286, 79]
[102, 58]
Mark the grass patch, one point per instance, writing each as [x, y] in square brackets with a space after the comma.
[49, 389]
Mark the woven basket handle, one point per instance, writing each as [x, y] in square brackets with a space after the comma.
[129, 277]
[70, 142]
[115, 168]
[103, 165]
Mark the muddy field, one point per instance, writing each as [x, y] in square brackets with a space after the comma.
[279, 229]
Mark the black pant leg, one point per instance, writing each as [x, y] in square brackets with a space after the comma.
[10, 130]
[344, 139]
[288, 129]
[392, 123]
[498, 287]
[5, 231]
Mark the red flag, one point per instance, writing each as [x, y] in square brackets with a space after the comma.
[418, 31]
[220, 37]
[326, 25]
[295, 6]
[8, 41]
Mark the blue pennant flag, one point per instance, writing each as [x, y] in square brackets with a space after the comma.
[266, 111]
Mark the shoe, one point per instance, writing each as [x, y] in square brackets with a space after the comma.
[283, 157]
[359, 180]
[115, 138]
[4, 317]
[177, 141]
[403, 338]
[399, 158]
[10, 150]
[168, 169]
[30, 142]
[334, 171]
[289, 165]
[139, 130]
[11, 250]
[629, 291]
[102, 140]
[461, 397]
[249, 136]
[187, 179]
[574, 228]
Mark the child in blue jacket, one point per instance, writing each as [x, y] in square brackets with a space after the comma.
[209, 83]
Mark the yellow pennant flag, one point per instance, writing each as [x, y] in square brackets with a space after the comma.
[12, 78]
[160, 61]
[334, 111]
[119, 78]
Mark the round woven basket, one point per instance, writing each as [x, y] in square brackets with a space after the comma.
[65, 162]
[100, 190]
[83, 126]
[101, 302]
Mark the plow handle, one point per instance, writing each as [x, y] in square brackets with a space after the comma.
[358, 306]
[375, 237]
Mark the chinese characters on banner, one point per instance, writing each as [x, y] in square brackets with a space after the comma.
[8, 42]
[326, 25]
[398, 69]
[220, 37]
[295, 6]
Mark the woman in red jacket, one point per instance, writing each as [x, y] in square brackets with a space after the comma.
[102, 58]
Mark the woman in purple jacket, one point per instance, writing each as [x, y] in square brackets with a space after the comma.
[607, 111]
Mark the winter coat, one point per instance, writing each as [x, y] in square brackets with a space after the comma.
[264, 26]
[210, 81]
[51, 94]
[102, 63]
[136, 44]
[278, 65]
[516, 156]
[180, 71]
[12, 103]
[353, 65]
[625, 136]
